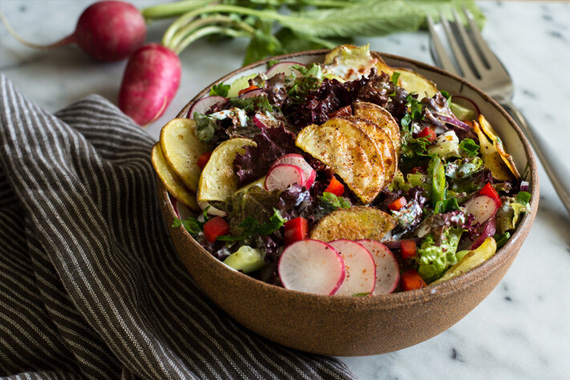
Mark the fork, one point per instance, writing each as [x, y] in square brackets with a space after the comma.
[477, 63]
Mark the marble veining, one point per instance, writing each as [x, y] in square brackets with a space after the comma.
[522, 330]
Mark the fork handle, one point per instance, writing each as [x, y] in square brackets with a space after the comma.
[556, 170]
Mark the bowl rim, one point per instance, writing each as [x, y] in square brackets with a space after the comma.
[391, 300]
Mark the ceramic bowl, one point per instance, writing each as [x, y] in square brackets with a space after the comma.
[355, 326]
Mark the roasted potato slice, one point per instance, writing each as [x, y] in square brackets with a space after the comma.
[171, 181]
[472, 259]
[416, 83]
[381, 117]
[383, 144]
[218, 179]
[182, 148]
[355, 223]
[349, 151]
[491, 156]
[498, 144]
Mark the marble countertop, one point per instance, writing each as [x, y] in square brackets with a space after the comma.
[522, 330]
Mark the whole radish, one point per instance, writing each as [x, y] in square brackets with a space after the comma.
[107, 31]
[150, 81]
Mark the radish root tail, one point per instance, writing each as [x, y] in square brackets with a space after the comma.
[65, 41]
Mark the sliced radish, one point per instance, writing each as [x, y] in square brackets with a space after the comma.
[298, 160]
[203, 105]
[482, 207]
[281, 176]
[265, 121]
[360, 268]
[387, 269]
[211, 209]
[284, 67]
[253, 93]
[182, 211]
[311, 266]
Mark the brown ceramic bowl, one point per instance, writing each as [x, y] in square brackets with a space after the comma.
[354, 326]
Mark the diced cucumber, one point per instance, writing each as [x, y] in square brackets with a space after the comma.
[246, 259]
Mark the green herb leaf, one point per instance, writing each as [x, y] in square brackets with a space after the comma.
[220, 89]
[251, 226]
[469, 147]
[523, 198]
[446, 205]
[250, 105]
[331, 201]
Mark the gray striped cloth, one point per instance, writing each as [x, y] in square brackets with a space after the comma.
[90, 284]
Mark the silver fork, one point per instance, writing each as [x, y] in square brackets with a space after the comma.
[477, 63]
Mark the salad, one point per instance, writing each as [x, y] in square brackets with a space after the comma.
[345, 177]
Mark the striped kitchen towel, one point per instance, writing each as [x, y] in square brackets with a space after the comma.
[90, 284]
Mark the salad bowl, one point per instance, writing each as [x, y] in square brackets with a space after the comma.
[367, 325]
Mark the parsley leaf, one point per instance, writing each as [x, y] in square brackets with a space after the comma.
[469, 147]
[220, 89]
[250, 105]
[250, 226]
[331, 201]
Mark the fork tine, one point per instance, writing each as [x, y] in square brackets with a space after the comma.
[456, 50]
[478, 65]
[488, 55]
[438, 50]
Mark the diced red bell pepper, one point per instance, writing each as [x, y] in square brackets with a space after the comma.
[398, 204]
[411, 280]
[335, 187]
[408, 249]
[428, 133]
[215, 227]
[250, 88]
[203, 159]
[296, 229]
[490, 191]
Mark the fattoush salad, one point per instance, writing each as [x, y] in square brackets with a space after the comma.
[343, 177]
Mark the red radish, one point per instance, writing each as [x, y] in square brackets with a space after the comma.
[360, 268]
[335, 187]
[253, 93]
[387, 269]
[182, 211]
[311, 266]
[482, 207]
[203, 105]
[296, 229]
[211, 209]
[411, 280]
[264, 121]
[215, 227]
[151, 79]
[281, 176]
[298, 160]
[107, 30]
[284, 67]
[490, 191]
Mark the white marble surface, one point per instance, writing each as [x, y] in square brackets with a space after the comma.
[522, 330]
